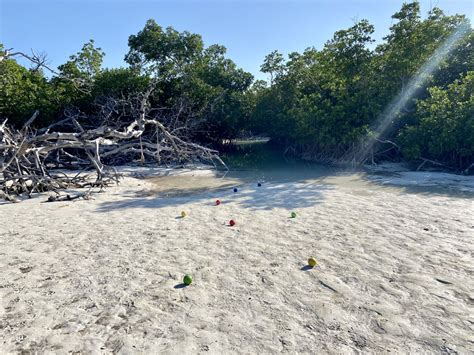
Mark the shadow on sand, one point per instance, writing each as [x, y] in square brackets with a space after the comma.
[285, 184]
[267, 197]
[181, 285]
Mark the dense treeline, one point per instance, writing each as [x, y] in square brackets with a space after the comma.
[322, 103]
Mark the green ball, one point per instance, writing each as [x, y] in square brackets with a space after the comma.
[187, 280]
[293, 214]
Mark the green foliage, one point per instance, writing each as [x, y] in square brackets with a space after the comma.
[78, 75]
[324, 102]
[24, 91]
[273, 65]
[227, 109]
[319, 100]
[85, 64]
[408, 46]
[166, 52]
[119, 82]
[444, 130]
[188, 72]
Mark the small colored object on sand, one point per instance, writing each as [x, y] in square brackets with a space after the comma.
[312, 262]
[218, 202]
[183, 214]
[259, 184]
[293, 214]
[235, 189]
[187, 280]
[231, 223]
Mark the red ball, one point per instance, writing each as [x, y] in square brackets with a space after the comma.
[218, 202]
[231, 223]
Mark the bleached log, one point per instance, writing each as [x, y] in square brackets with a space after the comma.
[28, 155]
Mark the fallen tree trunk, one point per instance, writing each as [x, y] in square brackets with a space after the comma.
[29, 157]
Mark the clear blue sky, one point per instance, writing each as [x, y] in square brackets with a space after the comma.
[249, 29]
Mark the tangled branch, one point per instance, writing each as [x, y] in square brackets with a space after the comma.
[30, 158]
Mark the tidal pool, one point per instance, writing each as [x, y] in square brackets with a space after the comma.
[259, 163]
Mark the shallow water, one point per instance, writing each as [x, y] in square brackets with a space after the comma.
[258, 163]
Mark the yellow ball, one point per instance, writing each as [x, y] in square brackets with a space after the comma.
[183, 214]
[312, 262]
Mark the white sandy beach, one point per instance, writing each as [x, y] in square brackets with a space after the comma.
[104, 275]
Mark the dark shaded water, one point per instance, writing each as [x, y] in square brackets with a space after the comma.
[262, 162]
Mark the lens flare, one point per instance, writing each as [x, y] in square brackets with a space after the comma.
[390, 115]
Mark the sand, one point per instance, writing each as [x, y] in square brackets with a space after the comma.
[395, 270]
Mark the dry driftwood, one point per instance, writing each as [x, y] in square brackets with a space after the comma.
[29, 158]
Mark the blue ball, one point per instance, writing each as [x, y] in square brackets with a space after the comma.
[235, 189]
